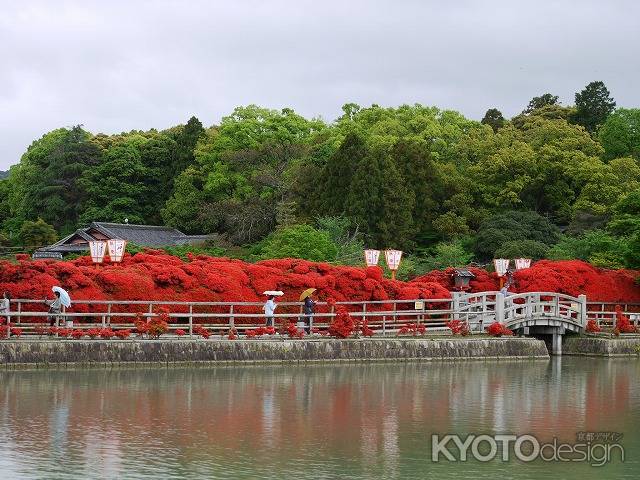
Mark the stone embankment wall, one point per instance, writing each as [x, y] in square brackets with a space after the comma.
[73, 352]
[603, 347]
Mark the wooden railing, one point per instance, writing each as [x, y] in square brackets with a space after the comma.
[384, 317]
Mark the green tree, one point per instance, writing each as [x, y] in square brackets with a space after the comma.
[620, 134]
[541, 101]
[493, 117]
[593, 105]
[186, 138]
[513, 226]
[118, 188]
[626, 214]
[522, 248]
[345, 235]
[299, 241]
[37, 234]
[380, 203]
[413, 162]
[44, 183]
[596, 246]
[448, 254]
[338, 174]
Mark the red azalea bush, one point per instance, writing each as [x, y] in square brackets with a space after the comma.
[342, 325]
[496, 329]
[93, 332]
[64, 332]
[260, 331]
[593, 327]
[16, 331]
[412, 329]
[623, 324]
[107, 333]
[458, 327]
[200, 330]
[123, 333]
[291, 329]
[77, 334]
[158, 325]
[155, 275]
[179, 332]
[3, 331]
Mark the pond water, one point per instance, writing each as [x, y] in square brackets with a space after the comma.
[317, 421]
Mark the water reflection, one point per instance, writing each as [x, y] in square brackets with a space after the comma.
[353, 421]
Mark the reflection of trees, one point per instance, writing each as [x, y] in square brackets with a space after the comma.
[365, 416]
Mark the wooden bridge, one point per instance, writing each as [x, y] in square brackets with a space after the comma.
[535, 313]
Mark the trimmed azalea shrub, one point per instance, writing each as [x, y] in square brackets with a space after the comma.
[497, 329]
[200, 330]
[16, 331]
[623, 324]
[458, 327]
[106, 333]
[158, 325]
[179, 332]
[77, 334]
[123, 334]
[93, 332]
[593, 327]
[412, 329]
[342, 325]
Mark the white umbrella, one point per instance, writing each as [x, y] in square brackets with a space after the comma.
[275, 293]
[65, 299]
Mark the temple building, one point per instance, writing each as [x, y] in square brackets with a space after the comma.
[141, 235]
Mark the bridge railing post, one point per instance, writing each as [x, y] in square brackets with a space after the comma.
[455, 305]
[583, 310]
[499, 309]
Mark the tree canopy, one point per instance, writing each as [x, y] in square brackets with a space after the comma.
[429, 181]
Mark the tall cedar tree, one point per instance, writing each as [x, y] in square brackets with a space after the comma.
[186, 140]
[593, 105]
[414, 163]
[379, 201]
[338, 173]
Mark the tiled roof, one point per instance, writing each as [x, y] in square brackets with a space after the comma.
[143, 235]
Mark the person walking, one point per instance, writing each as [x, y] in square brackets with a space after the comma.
[269, 310]
[55, 306]
[5, 304]
[309, 309]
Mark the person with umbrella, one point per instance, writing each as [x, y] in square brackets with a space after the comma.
[61, 299]
[308, 308]
[270, 305]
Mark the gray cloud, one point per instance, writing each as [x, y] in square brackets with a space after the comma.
[121, 65]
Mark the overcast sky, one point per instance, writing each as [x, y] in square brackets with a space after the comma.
[118, 65]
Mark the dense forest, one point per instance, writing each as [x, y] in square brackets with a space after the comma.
[555, 181]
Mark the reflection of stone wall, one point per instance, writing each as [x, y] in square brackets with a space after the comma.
[606, 347]
[62, 352]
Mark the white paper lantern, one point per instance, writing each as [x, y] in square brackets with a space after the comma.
[116, 249]
[393, 258]
[501, 266]
[371, 257]
[97, 248]
[522, 263]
